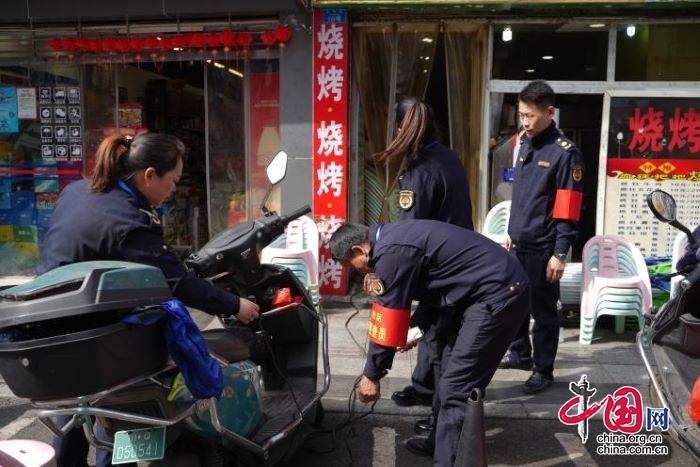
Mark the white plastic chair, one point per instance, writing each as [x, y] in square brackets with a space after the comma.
[298, 250]
[679, 244]
[496, 222]
[615, 282]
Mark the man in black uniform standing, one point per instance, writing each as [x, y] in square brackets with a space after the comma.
[547, 196]
[483, 291]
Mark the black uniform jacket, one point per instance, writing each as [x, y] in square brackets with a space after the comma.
[118, 225]
[435, 187]
[413, 258]
[547, 193]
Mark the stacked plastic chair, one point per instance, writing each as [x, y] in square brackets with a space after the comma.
[615, 282]
[679, 244]
[496, 222]
[297, 250]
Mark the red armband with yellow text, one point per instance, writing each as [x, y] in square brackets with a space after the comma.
[388, 326]
[567, 205]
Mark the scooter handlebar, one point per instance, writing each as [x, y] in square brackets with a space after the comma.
[296, 214]
[692, 278]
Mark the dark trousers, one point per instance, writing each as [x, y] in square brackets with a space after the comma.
[72, 449]
[428, 357]
[469, 360]
[544, 309]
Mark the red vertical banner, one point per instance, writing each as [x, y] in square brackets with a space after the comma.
[330, 138]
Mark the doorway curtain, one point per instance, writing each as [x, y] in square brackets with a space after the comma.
[395, 60]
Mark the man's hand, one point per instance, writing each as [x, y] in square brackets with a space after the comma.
[555, 269]
[507, 242]
[368, 390]
[247, 311]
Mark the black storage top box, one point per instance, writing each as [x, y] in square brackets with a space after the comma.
[62, 335]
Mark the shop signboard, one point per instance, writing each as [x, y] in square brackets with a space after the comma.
[653, 142]
[330, 137]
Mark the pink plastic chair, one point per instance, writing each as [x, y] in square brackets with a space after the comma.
[615, 282]
[26, 453]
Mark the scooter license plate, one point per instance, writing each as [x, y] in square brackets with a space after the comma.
[146, 444]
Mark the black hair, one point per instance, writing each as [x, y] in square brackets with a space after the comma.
[118, 157]
[539, 93]
[345, 237]
[417, 123]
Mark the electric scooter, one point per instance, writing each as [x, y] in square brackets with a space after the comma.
[69, 344]
[670, 341]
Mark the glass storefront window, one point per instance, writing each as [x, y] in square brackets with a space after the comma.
[658, 52]
[563, 51]
[237, 177]
[41, 151]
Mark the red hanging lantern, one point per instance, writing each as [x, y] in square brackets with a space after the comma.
[283, 34]
[213, 43]
[94, 46]
[244, 40]
[137, 44]
[107, 45]
[164, 44]
[70, 45]
[56, 44]
[123, 47]
[82, 44]
[228, 40]
[268, 38]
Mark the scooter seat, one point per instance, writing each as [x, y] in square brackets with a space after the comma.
[235, 344]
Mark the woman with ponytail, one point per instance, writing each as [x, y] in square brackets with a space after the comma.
[113, 216]
[432, 185]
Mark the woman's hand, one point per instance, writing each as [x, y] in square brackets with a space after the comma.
[247, 311]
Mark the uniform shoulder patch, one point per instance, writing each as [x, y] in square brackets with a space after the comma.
[577, 172]
[373, 285]
[565, 143]
[406, 199]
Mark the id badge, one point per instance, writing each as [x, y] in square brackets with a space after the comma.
[508, 174]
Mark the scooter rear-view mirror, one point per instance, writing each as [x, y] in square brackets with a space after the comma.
[276, 170]
[663, 206]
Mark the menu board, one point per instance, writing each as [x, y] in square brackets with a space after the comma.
[653, 143]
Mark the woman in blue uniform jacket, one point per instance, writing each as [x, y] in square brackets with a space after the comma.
[112, 217]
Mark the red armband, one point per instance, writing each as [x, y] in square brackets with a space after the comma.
[567, 205]
[388, 326]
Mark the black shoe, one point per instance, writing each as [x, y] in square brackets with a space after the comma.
[424, 426]
[510, 361]
[537, 382]
[420, 445]
[409, 396]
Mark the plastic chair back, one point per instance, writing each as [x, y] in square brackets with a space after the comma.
[679, 244]
[496, 222]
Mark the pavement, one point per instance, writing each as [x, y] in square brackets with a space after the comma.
[609, 362]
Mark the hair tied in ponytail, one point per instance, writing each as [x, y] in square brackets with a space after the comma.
[127, 141]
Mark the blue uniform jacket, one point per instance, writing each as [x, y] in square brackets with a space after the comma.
[117, 225]
[547, 193]
[414, 258]
[439, 187]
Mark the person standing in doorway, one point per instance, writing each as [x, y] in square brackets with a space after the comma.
[545, 209]
[432, 185]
